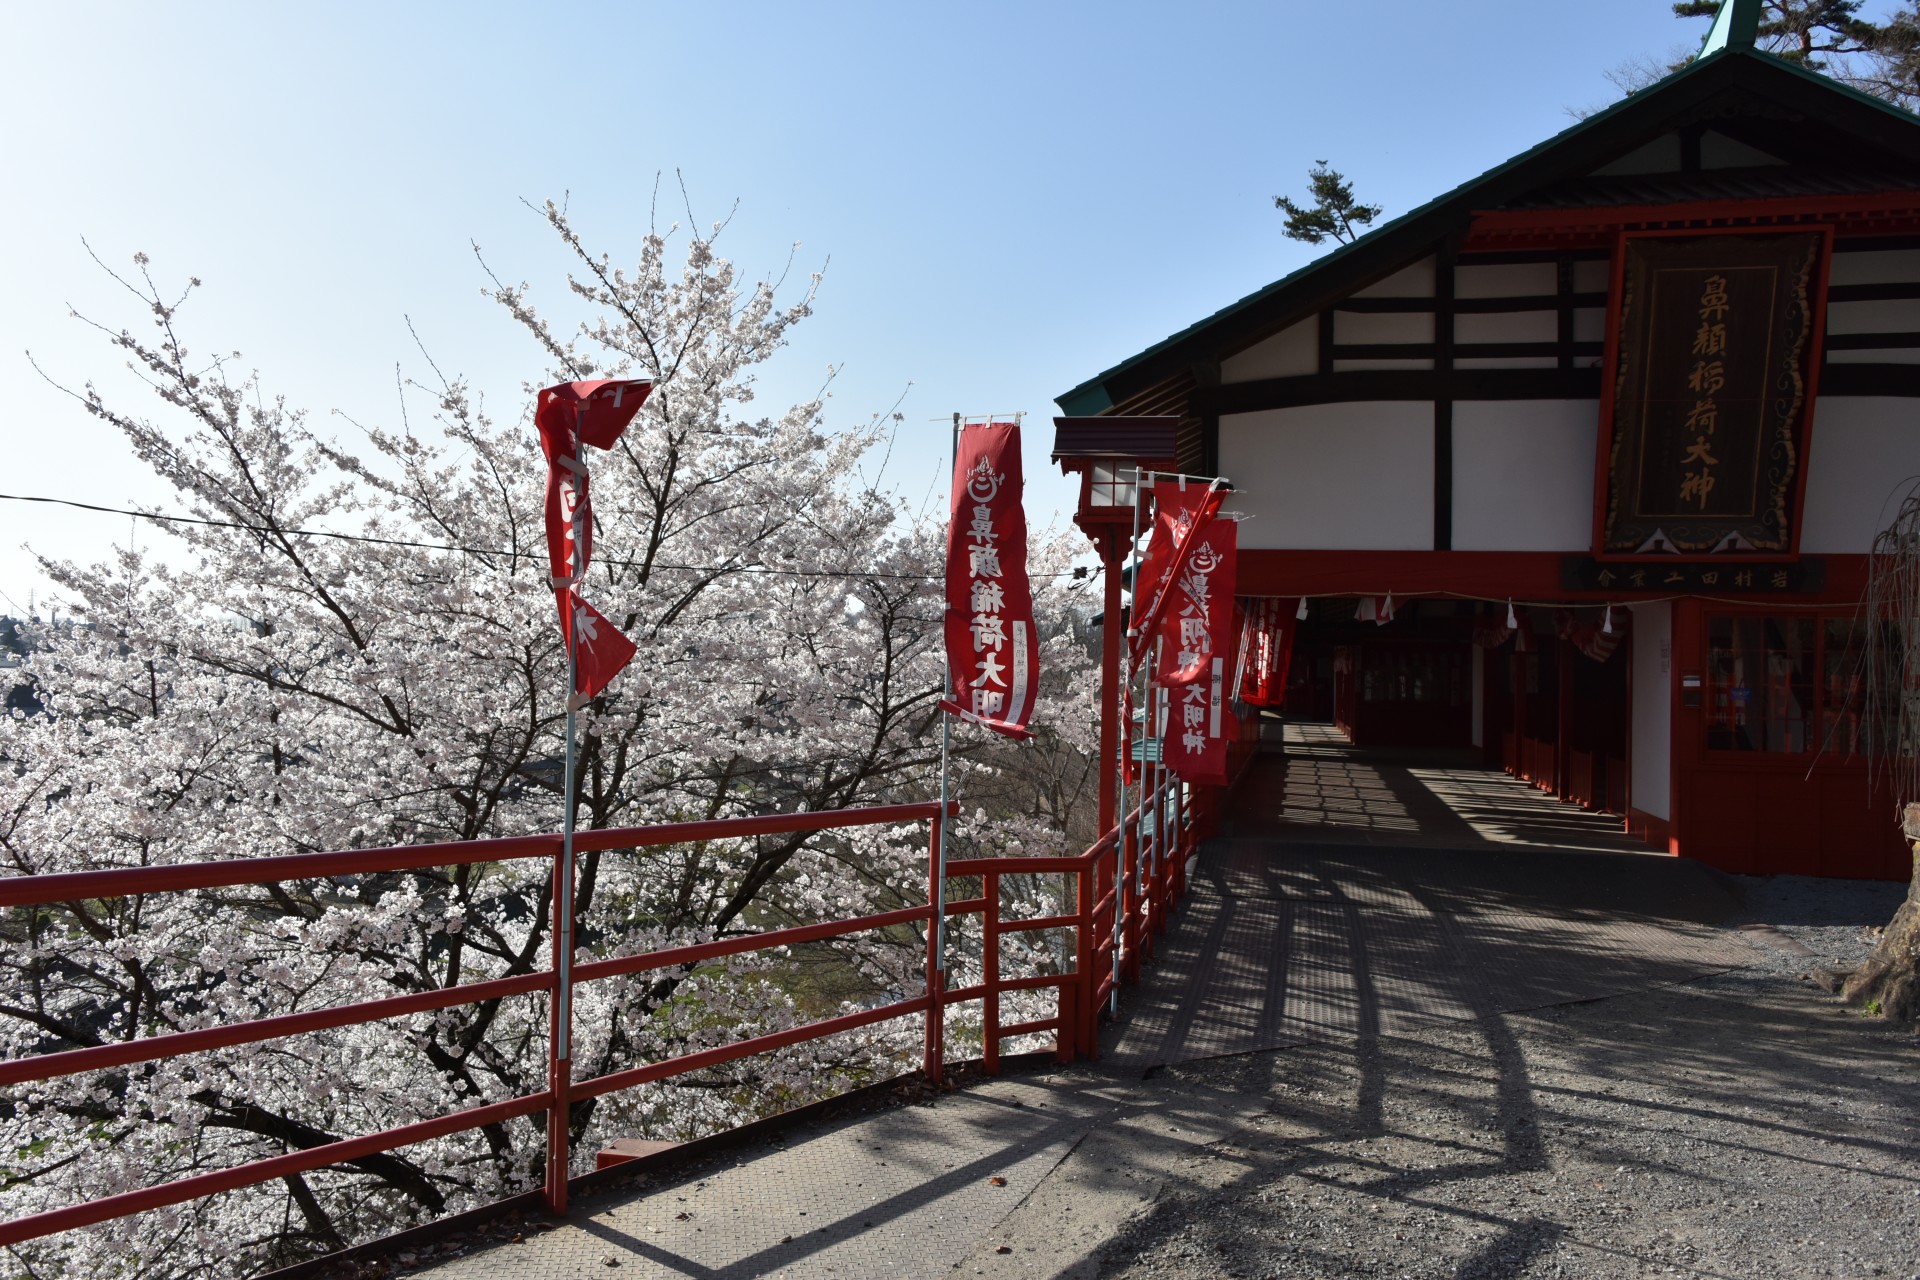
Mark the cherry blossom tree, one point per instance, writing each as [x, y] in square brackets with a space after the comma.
[268, 689]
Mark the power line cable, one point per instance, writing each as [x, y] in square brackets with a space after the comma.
[165, 518]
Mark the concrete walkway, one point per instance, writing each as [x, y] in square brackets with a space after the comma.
[1279, 944]
[1321, 789]
[1288, 944]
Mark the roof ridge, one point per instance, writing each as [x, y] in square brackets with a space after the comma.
[1736, 26]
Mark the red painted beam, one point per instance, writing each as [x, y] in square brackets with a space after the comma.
[744, 1049]
[1524, 576]
[246, 1175]
[76, 886]
[47, 1066]
[693, 953]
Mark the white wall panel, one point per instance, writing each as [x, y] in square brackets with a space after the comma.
[1590, 324]
[1875, 266]
[1523, 474]
[1506, 326]
[1651, 750]
[1505, 280]
[1886, 315]
[1662, 155]
[1876, 355]
[1382, 326]
[1293, 351]
[1507, 362]
[1415, 281]
[1864, 450]
[1718, 151]
[1333, 476]
[1365, 366]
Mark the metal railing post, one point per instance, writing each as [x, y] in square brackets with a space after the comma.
[1086, 959]
[990, 972]
[933, 1055]
[559, 1051]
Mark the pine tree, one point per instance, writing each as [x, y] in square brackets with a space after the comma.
[1334, 212]
[1881, 58]
[1803, 31]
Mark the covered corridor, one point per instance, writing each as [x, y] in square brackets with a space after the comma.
[1321, 789]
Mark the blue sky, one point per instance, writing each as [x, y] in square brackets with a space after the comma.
[1008, 198]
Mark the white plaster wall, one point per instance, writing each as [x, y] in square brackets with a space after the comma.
[1863, 452]
[1506, 326]
[1382, 326]
[1662, 155]
[1523, 474]
[1416, 281]
[1876, 355]
[1290, 353]
[1506, 362]
[1505, 280]
[1333, 476]
[1364, 366]
[1875, 266]
[1651, 748]
[1887, 315]
[1718, 151]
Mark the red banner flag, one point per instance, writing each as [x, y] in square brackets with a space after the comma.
[1266, 653]
[568, 416]
[603, 649]
[993, 655]
[1197, 634]
[1181, 509]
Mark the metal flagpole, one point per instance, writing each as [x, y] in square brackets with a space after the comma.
[1124, 712]
[937, 979]
[560, 1069]
[1156, 732]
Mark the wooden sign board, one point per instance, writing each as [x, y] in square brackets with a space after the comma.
[1709, 388]
[1718, 575]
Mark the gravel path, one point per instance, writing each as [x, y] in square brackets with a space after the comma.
[1742, 1125]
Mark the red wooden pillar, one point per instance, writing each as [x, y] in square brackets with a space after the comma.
[1563, 734]
[1109, 547]
[1094, 921]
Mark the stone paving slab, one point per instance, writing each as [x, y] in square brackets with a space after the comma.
[899, 1194]
[1286, 944]
[1321, 788]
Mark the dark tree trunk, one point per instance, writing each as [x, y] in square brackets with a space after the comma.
[1888, 982]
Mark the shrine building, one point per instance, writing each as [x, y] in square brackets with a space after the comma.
[1608, 432]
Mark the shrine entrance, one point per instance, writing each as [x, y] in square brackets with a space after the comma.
[1316, 787]
[1444, 726]
[1406, 683]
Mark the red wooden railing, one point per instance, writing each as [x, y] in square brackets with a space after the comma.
[1147, 860]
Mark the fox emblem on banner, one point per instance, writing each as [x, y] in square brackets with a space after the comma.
[1195, 627]
[993, 657]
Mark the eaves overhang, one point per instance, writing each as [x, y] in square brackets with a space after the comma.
[1572, 152]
